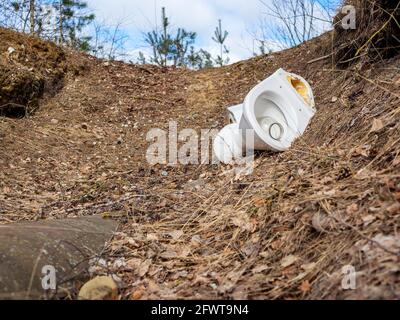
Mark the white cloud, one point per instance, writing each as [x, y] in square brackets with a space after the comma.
[200, 16]
[239, 17]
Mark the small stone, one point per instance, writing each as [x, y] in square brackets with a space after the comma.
[334, 99]
[54, 121]
[214, 286]
[164, 173]
[119, 141]
[10, 50]
[84, 126]
[99, 288]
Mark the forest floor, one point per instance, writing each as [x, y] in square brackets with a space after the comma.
[197, 231]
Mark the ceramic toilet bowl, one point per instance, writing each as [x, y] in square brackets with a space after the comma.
[278, 110]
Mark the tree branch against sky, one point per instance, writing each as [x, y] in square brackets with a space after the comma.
[278, 28]
[291, 22]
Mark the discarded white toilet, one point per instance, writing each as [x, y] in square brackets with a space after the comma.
[276, 112]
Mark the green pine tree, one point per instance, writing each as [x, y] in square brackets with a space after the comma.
[198, 60]
[220, 37]
[72, 17]
[170, 48]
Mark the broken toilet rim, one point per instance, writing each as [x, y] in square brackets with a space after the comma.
[276, 111]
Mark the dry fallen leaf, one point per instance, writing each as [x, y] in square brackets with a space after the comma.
[133, 264]
[394, 208]
[259, 202]
[389, 242]
[260, 269]
[288, 261]
[290, 271]
[144, 268]
[152, 237]
[277, 244]
[176, 234]
[168, 254]
[308, 266]
[305, 286]
[362, 151]
[329, 193]
[368, 219]
[323, 222]
[352, 209]
[243, 222]
[137, 295]
[85, 169]
[265, 254]
[196, 241]
[377, 125]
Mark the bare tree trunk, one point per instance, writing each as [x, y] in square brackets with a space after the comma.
[32, 15]
[24, 18]
[165, 26]
[61, 27]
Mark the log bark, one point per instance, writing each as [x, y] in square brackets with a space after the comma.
[28, 250]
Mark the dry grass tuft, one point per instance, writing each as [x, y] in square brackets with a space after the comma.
[377, 33]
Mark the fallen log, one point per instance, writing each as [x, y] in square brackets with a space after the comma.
[41, 260]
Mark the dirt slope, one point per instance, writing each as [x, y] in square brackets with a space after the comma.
[194, 231]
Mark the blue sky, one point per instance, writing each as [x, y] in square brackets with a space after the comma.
[240, 17]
